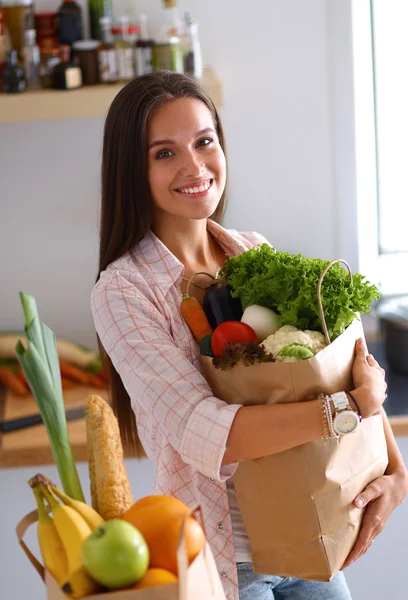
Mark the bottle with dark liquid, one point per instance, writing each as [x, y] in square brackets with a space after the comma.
[13, 75]
[70, 22]
[65, 75]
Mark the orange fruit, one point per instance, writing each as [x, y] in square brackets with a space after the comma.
[155, 577]
[159, 519]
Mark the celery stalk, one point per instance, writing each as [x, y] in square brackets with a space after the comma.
[40, 364]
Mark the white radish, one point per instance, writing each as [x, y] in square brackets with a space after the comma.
[263, 321]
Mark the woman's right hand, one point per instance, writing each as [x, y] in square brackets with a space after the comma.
[369, 382]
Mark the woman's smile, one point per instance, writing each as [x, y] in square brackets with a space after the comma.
[197, 189]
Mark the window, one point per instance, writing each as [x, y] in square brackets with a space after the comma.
[380, 51]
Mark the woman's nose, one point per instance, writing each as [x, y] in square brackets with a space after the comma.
[192, 165]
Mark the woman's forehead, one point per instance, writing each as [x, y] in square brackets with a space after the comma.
[179, 118]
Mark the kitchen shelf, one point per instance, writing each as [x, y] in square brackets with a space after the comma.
[88, 101]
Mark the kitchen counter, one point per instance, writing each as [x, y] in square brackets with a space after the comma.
[30, 446]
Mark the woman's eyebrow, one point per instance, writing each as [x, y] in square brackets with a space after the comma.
[164, 142]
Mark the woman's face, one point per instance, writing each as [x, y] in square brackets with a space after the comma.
[186, 164]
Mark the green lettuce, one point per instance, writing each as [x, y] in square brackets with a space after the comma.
[287, 284]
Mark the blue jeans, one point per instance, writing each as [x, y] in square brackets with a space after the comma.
[269, 587]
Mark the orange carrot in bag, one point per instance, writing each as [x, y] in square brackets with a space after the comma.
[195, 317]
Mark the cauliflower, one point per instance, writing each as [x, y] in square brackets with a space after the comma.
[290, 344]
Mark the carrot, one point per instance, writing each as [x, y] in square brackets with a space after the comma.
[96, 381]
[67, 384]
[10, 380]
[195, 317]
[74, 373]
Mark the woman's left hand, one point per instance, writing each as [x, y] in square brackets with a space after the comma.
[380, 497]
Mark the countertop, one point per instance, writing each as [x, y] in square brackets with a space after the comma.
[30, 446]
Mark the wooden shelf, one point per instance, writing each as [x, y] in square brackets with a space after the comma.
[89, 101]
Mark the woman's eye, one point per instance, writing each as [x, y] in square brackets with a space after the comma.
[164, 154]
[205, 142]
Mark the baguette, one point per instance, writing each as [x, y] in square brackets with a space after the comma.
[110, 488]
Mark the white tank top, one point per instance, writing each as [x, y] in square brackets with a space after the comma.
[243, 551]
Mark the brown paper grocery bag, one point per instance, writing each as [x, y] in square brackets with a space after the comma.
[199, 581]
[297, 505]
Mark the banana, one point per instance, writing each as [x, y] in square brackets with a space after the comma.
[73, 530]
[79, 584]
[88, 513]
[52, 551]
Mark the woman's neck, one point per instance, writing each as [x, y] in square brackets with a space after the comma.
[187, 239]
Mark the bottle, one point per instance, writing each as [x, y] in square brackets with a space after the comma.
[70, 22]
[65, 75]
[31, 58]
[108, 72]
[167, 51]
[143, 50]
[98, 9]
[172, 26]
[123, 50]
[193, 64]
[13, 75]
[5, 45]
[19, 16]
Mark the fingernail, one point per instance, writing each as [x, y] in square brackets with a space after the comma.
[360, 502]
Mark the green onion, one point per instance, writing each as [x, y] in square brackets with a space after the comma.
[39, 361]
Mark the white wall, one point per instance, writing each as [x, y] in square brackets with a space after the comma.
[276, 60]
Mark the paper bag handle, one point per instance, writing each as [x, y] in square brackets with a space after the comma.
[182, 559]
[21, 528]
[319, 297]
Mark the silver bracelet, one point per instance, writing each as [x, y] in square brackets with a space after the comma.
[327, 406]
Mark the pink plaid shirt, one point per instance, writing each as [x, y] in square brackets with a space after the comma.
[183, 427]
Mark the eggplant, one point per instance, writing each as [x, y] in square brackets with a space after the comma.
[220, 306]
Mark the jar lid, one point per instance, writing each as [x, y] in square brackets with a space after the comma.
[85, 45]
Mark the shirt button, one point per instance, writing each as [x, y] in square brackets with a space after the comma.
[223, 574]
[220, 525]
[212, 479]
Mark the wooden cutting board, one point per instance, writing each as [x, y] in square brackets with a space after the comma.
[30, 446]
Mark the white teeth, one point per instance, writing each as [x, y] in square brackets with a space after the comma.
[202, 188]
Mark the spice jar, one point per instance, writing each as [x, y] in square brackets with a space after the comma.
[19, 16]
[86, 55]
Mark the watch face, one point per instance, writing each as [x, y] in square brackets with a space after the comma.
[346, 422]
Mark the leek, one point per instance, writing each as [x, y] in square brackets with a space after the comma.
[39, 361]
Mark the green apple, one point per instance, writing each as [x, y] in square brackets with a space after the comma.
[115, 554]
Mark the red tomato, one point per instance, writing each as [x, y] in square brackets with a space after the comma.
[231, 331]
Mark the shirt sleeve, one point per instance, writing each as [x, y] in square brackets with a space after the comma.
[157, 375]
[255, 238]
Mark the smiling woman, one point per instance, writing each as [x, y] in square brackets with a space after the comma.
[163, 195]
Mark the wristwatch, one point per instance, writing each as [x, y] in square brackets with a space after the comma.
[346, 420]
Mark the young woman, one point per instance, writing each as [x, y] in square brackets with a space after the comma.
[163, 196]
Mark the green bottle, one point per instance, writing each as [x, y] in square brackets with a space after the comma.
[98, 9]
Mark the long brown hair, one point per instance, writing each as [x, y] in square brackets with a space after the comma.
[126, 211]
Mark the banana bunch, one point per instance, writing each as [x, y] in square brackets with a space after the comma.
[61, 536]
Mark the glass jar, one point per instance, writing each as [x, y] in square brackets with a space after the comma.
[86, 55]
[19, 17]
